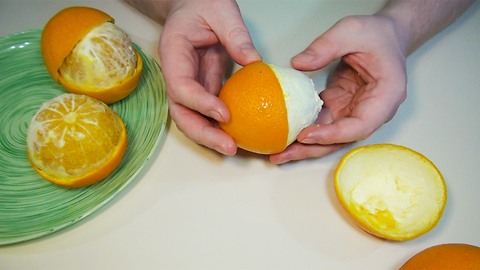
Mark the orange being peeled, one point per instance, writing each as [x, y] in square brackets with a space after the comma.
[269, 106]
[391, 191]
[75, 140]
[87, 54]
[445, 257]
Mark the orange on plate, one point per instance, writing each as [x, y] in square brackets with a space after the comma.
[87, 54]
[453, 256]
[391, 191]
[269, 106]
[75, 140]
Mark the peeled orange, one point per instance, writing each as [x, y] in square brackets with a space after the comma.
[87, 54]
[75, 140]
[391, 191]
[269, 106]
[445, 257]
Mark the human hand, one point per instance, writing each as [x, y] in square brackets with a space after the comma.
[194, 46]
[366, 88]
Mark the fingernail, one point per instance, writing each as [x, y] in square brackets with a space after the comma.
[282, 161]
[308, 140]
[249, 51]
[220, 150]
[305, 56]
[215, 115]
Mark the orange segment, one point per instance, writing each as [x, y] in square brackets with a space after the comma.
[64, 30]
[112, 94]
[75, 140]
[258, 115]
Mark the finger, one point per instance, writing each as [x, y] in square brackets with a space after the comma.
[213, 65]
[200, 130]
[230, 28]
[298, 151]
[366, 117]
[343, 130]
[325, 49]
[180, 68]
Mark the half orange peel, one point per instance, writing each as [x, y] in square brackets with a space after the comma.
[390, 191]
[59, 37]
[55, 50]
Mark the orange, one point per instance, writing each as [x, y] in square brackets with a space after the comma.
[269, 106]
[445, 257]
[87, 54]
[75, 140]
[391, 191]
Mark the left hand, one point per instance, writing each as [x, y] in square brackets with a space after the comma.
[365, 91]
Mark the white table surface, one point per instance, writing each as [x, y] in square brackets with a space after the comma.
[193, 208]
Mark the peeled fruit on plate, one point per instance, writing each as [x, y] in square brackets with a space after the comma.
[87, 54]
[390, 191]
[75, 140]
[445, 257]
[269, 106]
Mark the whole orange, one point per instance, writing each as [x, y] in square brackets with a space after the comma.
[75, 140]
[87, 54]
[269, 106]
[453, 256]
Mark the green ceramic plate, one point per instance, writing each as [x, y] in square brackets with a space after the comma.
[30, 206]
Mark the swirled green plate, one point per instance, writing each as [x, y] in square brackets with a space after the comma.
[31, 207]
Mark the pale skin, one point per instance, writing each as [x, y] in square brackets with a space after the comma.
[366, 89]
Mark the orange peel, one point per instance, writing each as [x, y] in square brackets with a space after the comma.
[60, 36]
[390, 191]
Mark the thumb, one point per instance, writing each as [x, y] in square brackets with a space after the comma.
[230, 28]
[325, 49]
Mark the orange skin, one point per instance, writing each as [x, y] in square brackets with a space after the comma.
[359, 218]
[59, 37]
[446, 257]
[64, 30]
[259, 121]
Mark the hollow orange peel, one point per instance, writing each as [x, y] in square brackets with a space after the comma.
[390, 191]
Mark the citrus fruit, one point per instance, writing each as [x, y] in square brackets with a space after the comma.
[75, 140]
[269, 105]
[391, 191]
[453, 256]
[87, 54]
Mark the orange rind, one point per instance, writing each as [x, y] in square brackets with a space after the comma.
[453, 256]
[390, 191]
[59, 41]
[269, 106]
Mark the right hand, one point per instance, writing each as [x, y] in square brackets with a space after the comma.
[197, 38]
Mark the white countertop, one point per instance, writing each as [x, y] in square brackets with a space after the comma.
[193, 208]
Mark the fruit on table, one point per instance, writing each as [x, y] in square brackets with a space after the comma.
[269, 106]
[455, 256]
[75, 140]
[391, 191]
[87, 54]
